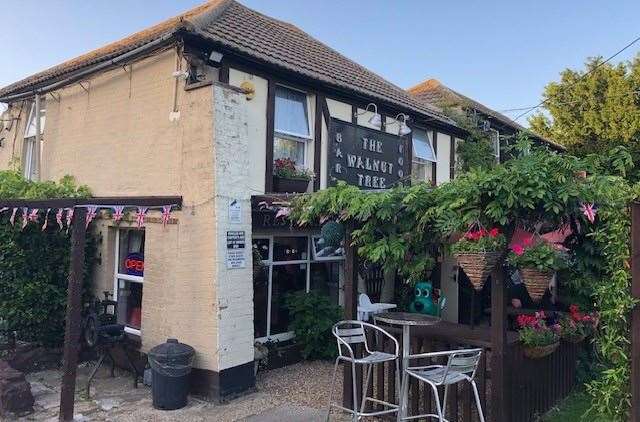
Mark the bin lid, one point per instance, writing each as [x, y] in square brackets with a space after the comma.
[172, 350]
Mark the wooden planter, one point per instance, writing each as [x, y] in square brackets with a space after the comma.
[538, 352]
[282, 185]
[478, 266]
[537, 282]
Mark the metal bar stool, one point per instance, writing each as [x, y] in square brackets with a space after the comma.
[461, 366]
[354, 332]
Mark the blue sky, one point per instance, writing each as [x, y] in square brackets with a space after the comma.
[499, 52]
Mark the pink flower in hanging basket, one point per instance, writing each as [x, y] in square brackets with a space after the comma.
[517, 249]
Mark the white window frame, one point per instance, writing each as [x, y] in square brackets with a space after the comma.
[270, 263]
[496, 144]
[29, 140]
[421, 161]
[305, 140]
[128, 277]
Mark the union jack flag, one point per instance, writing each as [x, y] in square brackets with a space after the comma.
[118, 213]
[140, 215]
[59, 218]
[91, 214]
[46, 219]
[166, 214]
[69, 218]
[25, 217]
[33, 215]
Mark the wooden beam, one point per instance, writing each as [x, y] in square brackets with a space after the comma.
[142, 201]
[350, 306]
[72, 329]
[635, 314]
[271, 106]
[317, 141]
[499, 386]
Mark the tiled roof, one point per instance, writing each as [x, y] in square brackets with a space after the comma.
[247, 32]
[435, 93]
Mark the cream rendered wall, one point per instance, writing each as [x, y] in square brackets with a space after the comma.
[339, 110]
[118, 139]
[256, 126]
[444, 157]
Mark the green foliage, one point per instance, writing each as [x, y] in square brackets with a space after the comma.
[541, 256]
[537, 337]
[471, 243]
[405, 227]
[476, 151]
[596, 113]
[34, 264]
[312, 317]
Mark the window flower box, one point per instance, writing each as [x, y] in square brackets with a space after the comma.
[287, 185]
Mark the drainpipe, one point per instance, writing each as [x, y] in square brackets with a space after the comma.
[36, 147]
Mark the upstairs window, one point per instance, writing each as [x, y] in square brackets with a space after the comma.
[494, 135]
[424, 157]
[291, 125]
[29, 162]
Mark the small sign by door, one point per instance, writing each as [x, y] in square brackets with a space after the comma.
[236, 242]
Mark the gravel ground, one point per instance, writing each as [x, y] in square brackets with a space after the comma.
[297, 393]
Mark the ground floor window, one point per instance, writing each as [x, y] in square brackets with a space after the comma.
[129, 278]
[291, 264]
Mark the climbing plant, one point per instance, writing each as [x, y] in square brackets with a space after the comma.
[34, 264]
[537, 190]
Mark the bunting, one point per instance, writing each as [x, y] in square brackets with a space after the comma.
[46, 219]
[25, 217]
[59, 218]
[69, 218]
[118, 213]
[12, 220]
[92, 211]
[140, 215]
[166, 215]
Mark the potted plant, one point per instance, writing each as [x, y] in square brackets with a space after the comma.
[576, 326]
[478, 252]
[537, 264]
[537, 338]
[288, 178]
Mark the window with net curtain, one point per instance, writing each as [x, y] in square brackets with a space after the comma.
[291, 125]
[424, 157]
[29, 163]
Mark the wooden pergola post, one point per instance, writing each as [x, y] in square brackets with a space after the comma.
[499, 385]
[72, 329]
[635, 314]
[350, 306]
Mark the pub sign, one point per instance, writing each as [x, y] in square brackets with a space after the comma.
[367, 158]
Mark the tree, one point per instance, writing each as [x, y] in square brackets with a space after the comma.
[595, 109]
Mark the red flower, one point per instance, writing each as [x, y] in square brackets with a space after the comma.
[494, 232]
[527, 241]
[518, 249]
[574, 309]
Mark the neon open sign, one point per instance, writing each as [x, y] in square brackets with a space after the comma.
[134, 264]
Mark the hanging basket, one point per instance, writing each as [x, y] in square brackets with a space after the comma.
[537, 282]
[538, 352]
[478, 266]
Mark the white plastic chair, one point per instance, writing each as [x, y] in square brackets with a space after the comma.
[461, 366]
[366, 309]
[352, 332]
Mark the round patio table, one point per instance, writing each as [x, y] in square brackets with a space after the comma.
[406, 320]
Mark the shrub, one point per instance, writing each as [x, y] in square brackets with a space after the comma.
[312, 317]
[34, 264]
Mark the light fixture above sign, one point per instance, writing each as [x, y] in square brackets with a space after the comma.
[375, 120]
[401, 121]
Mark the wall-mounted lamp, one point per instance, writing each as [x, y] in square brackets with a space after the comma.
[375, 120]
[401, 120]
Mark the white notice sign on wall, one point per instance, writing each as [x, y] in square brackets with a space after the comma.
[236, 249]
[235, 212]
